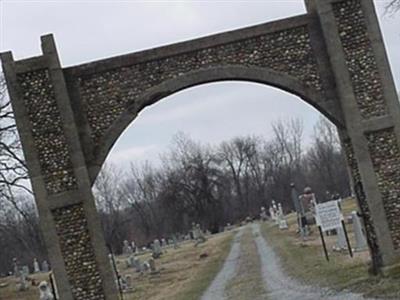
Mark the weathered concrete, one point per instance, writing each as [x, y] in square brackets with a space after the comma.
[69, 118]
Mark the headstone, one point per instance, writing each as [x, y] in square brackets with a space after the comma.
[133, 246]
[201, 238]
[36, 268]
[22, 284]
[194, 231]
[45, 266]
[175, 242]
[127, 249]
[272, 213]
[16, 270]
[122, 283]
[163, 243]
[156, 249]
[275, 209]
[137, 264]
[145, 266]
[263, 214]
[128, 283]
[361, 242]
[45, 292]
[131, 261]
[25, 270]
[281, 218]
[341, 240]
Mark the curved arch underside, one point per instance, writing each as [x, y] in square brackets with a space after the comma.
[269, 77]
[108, 94]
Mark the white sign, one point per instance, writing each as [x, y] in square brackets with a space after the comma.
[328, 215]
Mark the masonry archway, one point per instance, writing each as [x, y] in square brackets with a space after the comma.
[232, 73]
[333, 57]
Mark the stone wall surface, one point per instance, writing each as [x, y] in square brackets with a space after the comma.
[77, 250]
[360, 59]
[362, 203]
[56, 167]
[385, 156]
[47, 130]
[107, 95]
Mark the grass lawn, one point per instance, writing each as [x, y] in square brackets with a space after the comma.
[183, 275]
[306, 262]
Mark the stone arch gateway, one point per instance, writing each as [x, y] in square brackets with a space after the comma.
[332, 57]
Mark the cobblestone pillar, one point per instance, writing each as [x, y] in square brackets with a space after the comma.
[371, 111]
[59, 177]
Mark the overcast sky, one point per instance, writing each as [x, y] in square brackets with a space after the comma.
[91, 30]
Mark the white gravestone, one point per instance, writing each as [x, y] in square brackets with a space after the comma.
[137, 264]
[127, 249]
[129, 283]
[22, 284]
[272, 213]
[133, 246]
[281, 217]
[25, 270]
[201, 238]
[175, 242]
[340, 240]
[45, 292]
[361, 242]
[263, 214]
[16, 270]
[276, 214]
[145, 266]
[157, 248]
[36, 268]
[194, 231]
[45, 266]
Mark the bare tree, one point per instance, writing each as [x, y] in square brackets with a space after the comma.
[326, 161]
[109, 201]
[19, 229]
[393, 6]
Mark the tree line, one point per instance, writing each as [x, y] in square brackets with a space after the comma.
[220, 184]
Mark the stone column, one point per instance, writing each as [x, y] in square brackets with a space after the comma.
[371, 111]
[357, 186]
[59, 177]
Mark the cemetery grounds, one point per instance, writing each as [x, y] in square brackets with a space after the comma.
[306, 262]
[183, 274]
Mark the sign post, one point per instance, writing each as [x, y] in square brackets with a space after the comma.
[323, 243]
[347, 239]
[328, 217]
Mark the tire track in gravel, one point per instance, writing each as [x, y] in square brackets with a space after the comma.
[216, 290]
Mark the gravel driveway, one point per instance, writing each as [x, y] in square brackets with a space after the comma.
[278, 284]
[282, 287]
[216, 290]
